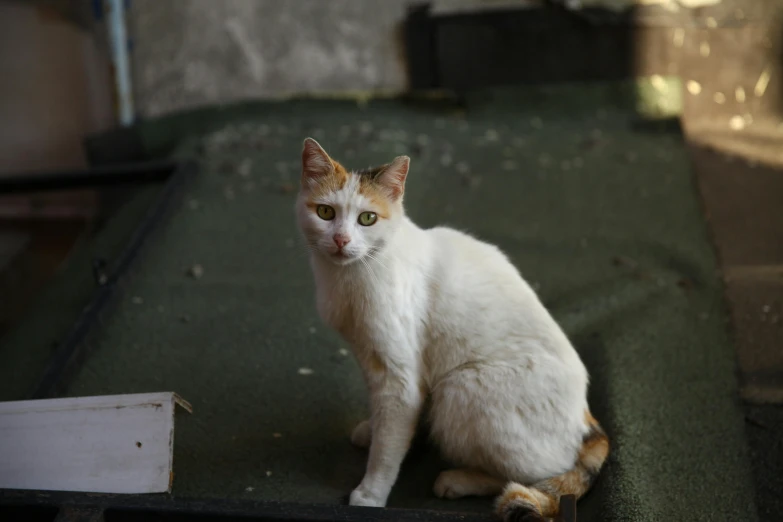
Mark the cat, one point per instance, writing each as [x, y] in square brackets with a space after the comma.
[439, 313]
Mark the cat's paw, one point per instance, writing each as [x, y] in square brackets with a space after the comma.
[451, 484]
[361, 497]
[362, 435]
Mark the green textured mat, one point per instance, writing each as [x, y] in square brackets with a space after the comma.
[601, 218]
[26, 349]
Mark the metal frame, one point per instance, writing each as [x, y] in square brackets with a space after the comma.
[78, 507]
[137, 173]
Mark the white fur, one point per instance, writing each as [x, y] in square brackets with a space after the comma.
[438, 312]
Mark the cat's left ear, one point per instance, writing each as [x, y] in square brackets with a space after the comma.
[316, 163]
[393, 177]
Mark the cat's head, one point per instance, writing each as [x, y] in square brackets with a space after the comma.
[348, 215]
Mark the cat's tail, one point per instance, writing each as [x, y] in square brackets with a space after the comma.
[535, 503]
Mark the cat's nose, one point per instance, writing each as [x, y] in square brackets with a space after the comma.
[341, 240]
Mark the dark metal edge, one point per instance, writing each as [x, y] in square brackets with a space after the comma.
[162, 505]
[132, 173]
[260, 510]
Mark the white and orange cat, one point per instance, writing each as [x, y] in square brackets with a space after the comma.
[438, 313]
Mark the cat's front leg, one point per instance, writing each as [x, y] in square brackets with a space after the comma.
[395, 411]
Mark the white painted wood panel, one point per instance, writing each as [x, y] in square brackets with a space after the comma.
[105, 444]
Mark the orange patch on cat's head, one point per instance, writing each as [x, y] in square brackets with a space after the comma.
[384, 185]
[331, 182]
[381, 204]
[340, 173]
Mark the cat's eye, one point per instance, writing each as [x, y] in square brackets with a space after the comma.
[325, 212]
[367, 218]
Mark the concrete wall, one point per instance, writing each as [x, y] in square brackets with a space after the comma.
[54, 89]
[191, 53]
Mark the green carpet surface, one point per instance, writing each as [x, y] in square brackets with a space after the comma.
[26, 350]
[600, 216]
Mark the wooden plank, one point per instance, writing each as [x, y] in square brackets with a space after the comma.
[105, 444]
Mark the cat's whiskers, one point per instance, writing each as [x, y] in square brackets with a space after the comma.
[374, 256]
[370, 270]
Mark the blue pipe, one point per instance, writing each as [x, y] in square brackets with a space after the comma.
[119, 38]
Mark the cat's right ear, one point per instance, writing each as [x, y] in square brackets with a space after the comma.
[315, 163]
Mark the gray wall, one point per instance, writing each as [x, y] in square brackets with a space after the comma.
[190, 53]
